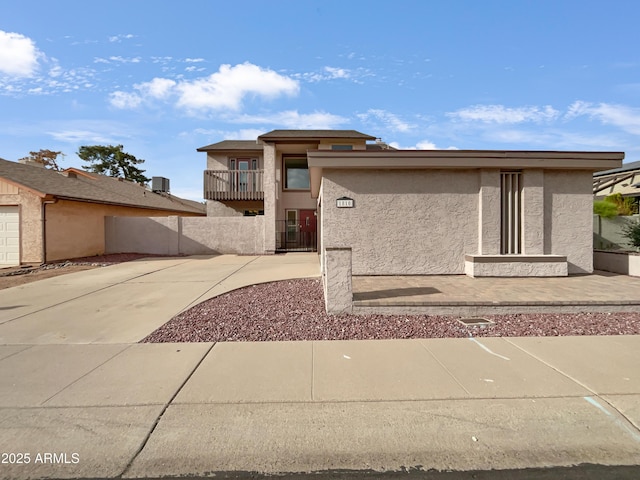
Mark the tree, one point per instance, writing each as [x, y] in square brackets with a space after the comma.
[45, 157]
[625, 205]
[605, 209]
[113, 161]
[614, 205]
[632, 231]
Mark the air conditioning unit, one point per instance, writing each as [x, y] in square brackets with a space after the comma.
[160, 184]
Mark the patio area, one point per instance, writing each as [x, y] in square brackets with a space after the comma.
[462, 295]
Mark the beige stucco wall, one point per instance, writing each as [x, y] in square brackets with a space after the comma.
[76, 229]
[617, 262]
[30, 220]
[220, 161]
[185, 235]
[231, 208]
[568, 212]
[404, 222]
[295, 200]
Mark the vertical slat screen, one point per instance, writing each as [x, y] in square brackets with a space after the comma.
[511, 213]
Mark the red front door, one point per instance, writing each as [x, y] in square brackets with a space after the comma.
[308, 227]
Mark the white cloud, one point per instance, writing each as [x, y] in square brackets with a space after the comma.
[421, 145]
[388, 120]
[327, 73]
[120, 59]
[293, 119]
[18, 55]
[242, 134]
[622, 116]
[156, 88]
[337, 72]
[119, 38]
[224, 90]
[227, 88]
[125, 100]
[79, 136]
[194, 60]
[505, 115]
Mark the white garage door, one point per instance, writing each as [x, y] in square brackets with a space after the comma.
[9, 236]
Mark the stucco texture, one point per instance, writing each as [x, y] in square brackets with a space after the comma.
[185, 235]
[404, 222]
[30, 220]
[76, 229]
[568, 211]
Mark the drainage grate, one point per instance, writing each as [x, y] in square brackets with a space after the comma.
[471, 322]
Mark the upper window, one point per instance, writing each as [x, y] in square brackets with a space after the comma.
[341, 147]
[296, 173]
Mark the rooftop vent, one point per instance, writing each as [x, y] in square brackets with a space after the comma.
[160, 185]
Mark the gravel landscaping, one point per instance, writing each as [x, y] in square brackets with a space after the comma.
[294, 310]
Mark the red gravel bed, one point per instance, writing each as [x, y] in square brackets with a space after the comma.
[294, 310]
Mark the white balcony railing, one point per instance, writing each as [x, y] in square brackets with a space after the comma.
[233, 185]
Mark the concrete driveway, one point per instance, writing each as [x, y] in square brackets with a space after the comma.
[126, 302]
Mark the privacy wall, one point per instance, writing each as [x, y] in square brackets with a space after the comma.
[185, 235]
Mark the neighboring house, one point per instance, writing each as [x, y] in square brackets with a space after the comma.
[411, 212]
[47, 215]
[624, 180]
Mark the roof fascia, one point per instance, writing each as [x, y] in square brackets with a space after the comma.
[456, 159]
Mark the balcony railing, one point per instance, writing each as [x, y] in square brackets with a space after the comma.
[233, 185]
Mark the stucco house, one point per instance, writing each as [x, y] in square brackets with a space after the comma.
[411, 212]
[47, 215]
[270, 176]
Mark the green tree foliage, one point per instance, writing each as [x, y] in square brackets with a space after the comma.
[46, 157]
[632, 232]
[112, 161]
[605, 209]
[614, 205]
[625, 205]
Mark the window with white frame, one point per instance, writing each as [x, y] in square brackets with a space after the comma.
[511, 213]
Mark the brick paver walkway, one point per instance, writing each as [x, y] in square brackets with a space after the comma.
[599, 289]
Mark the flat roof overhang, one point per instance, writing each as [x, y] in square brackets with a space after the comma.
[318, 160]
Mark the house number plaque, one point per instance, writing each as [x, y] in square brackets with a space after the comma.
[344, 202]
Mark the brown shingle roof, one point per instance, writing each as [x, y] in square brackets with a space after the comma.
[313, 134]
[91, 187]
[232, 145]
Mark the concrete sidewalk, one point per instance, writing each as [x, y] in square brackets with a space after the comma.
[124, 303]
[80, 398]
[154, 410]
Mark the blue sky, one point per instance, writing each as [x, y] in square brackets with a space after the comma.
[164, 78]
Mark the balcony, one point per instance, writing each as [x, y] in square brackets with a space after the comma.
[233, 185]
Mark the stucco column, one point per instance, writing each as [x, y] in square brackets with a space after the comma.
[533, 212]
[489, 213]
[269, 182]
[338, 290]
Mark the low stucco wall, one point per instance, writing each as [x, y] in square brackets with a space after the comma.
[185, 235]
[617, 262]
[77, 229]
[608, 234]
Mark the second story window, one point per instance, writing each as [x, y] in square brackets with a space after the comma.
[296, 173]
